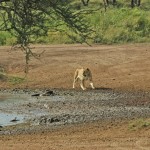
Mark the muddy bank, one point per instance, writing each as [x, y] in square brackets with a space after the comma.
[65, 107]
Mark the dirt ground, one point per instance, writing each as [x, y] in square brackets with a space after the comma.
[81, 137]
[120, 67]
[117, 66]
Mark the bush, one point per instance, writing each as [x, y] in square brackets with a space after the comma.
[2, 39]
[6, 38]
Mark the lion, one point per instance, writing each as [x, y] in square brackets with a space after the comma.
[83, 74]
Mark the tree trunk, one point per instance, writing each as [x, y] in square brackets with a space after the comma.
[135, 2]
[107, 2]
[132, 3]
[85, 2]
[113, 2]
[105, 5]
[139, 3]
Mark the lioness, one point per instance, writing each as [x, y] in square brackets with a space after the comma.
[83, 74]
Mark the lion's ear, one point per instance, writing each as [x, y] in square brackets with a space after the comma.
[88, 69]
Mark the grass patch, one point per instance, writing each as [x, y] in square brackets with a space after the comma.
[15, 80]
[11, 79]
[122, 25]
[139, 124]
[6, 38]
[54, 38]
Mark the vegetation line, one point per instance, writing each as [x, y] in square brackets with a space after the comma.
[113, 22]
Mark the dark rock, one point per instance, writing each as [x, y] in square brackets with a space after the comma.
[48, 93]
[52, 120]
[14, 120]
[35, 94]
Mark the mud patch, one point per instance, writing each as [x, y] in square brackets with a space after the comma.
[71, 107]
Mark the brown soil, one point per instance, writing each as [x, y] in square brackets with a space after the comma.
[124, 67]
[81, 137]
[121, 66]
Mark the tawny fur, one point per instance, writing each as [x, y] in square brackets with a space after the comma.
[82, 75]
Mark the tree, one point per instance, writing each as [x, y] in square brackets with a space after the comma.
[107, 2]
[135, 3]
[132, 3]
[85, 2]
[114, 2]
[27, 20]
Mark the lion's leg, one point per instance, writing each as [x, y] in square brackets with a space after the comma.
[91, 83]
[74, 82]
[82, 85]
[75, 78]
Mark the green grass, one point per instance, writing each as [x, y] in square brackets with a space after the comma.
[54, 38]
[6, 38]
[15, 80]
[9, 78]
[119, 24]
[139, 124]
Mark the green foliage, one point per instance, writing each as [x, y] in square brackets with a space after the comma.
[122, 25]
[6, 38]
[55, 38]
[2, 39]
[119, 24]
[30, 20]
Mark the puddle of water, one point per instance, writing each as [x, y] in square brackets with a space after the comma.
[6, 119]
[11, 105]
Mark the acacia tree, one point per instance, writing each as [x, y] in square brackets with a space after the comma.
[27, 20]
